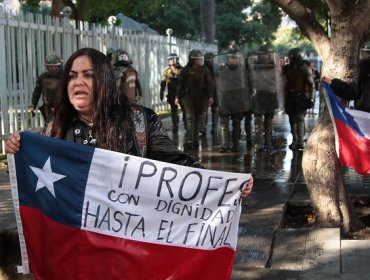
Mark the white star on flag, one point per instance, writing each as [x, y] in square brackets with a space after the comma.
[46, 177]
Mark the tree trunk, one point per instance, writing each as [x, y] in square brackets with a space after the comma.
[208, 20]
[339, 52]
[55, 8]
[324, 181]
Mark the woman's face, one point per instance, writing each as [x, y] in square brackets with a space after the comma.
[80, 85]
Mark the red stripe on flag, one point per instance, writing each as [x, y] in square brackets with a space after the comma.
[354, 150]
[57, 251]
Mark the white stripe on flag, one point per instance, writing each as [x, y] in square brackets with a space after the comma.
[14, 188]
[157, 202]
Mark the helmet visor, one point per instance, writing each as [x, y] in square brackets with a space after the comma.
[198, 61]
[172, 60]
[123, 57]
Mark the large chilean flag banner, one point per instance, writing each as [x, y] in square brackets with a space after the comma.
[352, 134]
[87, 213]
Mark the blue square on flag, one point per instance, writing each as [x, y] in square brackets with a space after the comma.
[56, 179]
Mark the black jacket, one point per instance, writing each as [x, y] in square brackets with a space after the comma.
[358, 89]
[159, 146]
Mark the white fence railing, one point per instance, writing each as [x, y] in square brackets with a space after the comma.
[25, 40]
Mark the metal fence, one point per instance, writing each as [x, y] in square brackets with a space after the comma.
[26, 38]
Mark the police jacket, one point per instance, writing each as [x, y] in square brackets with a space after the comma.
[194, 81]
[212, 83]
[170, 76]
[299, 87]
[358, 89]
[46, 85]
[159, 144]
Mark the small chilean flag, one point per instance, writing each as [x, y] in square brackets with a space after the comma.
[87, 213]
[352, 134]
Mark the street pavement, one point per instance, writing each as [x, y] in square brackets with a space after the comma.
[267, 249]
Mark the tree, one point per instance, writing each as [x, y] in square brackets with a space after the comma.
[208, 15]
[287, 38]
[56, 6]
[264, 19]
[339, 50]
[231, 22]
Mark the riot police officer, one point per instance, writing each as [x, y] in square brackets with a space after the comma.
[266, 73]
[299, 92]
[234, 96]
[47, 85]
[208, 62]
[169, 78]
[127, 78]
[195, 92]
[109, 53]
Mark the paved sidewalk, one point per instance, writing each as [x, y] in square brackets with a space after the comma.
[265, 249]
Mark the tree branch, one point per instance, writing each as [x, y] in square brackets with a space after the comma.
[306, 22]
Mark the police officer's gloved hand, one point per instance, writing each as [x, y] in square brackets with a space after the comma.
[161, 94]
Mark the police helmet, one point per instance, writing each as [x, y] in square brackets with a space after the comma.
[121, 58]
[110, 52]
[52, 60]
[265, 48]
[173, 57]
[209, 56]
[234, 57]
[295, 54]
[233, 53]
[195, 54]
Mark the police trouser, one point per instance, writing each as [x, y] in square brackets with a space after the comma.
[237, 131]
[263, 129]
[183, 112]
[248, 126]
[46, 110]
[194, 109]
[174, 115]
[225, 132]
[297, 127]
[215, 117]
[204, 123]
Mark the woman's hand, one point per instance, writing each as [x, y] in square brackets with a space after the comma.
[248, 188]
[13, 143]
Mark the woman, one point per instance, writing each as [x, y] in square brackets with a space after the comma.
[89, 110]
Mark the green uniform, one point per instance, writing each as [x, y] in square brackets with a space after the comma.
[169, 78]
[194, 91]
[47, 86]
[299, 91]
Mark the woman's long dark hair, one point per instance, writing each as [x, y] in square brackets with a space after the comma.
[110, 109]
